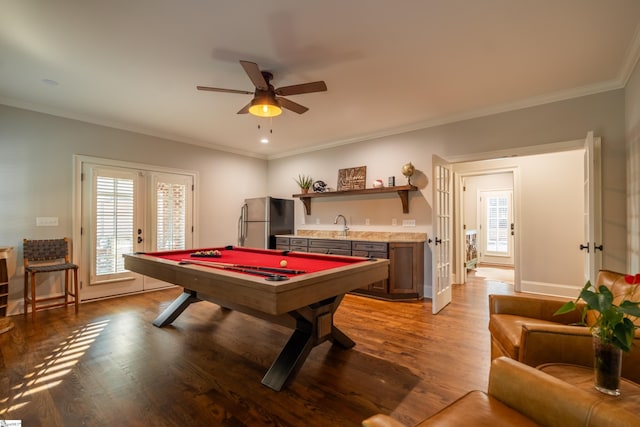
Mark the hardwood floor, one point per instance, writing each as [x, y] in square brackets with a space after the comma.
[109, 365]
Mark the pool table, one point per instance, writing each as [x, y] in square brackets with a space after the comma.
[303, 292]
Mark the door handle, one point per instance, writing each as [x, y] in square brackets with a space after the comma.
[583, 247]
[139, 239]
[438, 240]
[598, 247]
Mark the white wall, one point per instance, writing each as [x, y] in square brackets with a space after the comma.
[551, 123]
[632, 125]
[36, 161]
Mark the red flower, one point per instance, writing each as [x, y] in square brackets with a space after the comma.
[632, 280]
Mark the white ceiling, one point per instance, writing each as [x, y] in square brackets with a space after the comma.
[389, 65]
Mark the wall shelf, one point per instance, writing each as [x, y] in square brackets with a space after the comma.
[402, 190]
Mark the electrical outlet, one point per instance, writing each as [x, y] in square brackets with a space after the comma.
[408, 222]
[46, 221]
[394, 221]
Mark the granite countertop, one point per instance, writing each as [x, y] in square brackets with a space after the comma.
[374, 236]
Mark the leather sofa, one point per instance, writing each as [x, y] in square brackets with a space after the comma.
[519, 395]
[524, 328]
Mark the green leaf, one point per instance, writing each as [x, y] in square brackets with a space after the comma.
[601, 300]
[566, 308]
[631, 308]
[624, 333]
[591, 298]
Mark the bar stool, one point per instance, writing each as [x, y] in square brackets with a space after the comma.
[48, 256]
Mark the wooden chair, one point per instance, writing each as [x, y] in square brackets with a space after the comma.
[48, 256]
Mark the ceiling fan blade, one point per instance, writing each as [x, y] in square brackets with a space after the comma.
[217, 89]
[293, 106]
[252, 70]
[245, 109]
[302, 88]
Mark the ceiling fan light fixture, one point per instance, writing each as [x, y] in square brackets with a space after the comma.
[265, 107]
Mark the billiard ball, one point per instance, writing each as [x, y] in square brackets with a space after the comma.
[283, 263]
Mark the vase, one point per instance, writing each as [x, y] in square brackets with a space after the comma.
[607, 367]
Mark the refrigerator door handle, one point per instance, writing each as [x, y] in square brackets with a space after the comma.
[242, 225]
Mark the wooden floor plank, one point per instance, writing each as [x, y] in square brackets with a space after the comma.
[108, 365]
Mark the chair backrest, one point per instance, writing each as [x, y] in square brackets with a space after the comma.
[45, 250]
[620, 289]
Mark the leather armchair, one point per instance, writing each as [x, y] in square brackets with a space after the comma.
[524, 328]
[519, 395]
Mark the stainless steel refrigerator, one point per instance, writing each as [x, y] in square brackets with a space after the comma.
[261, 219]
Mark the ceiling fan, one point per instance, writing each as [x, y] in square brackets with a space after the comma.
[265, 103]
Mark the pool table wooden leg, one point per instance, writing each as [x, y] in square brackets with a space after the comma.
[314, 325]
[339, 337]
[176, 308]
[289, 360]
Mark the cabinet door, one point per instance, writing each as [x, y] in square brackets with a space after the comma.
[282, 243]
[4, 287]
[406, 269]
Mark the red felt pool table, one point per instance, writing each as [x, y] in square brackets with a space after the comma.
[242, 279]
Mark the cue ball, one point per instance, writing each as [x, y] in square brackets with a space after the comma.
[283, 263]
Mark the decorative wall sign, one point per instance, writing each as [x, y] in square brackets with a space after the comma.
[352, 178]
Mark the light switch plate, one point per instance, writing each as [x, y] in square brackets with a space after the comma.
[47, 221]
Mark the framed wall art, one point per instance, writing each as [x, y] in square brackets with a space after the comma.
[352, 178]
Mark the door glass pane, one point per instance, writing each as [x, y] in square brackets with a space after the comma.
[171, 211]
[497, 224]
[114, 223]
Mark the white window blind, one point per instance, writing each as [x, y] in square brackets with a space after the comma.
[497, 224]
[114, 223]
[171, 216]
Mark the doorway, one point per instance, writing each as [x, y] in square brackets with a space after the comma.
[547, 218]
[485, 221]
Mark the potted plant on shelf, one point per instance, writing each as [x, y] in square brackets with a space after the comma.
[304, 182]
[612, 326]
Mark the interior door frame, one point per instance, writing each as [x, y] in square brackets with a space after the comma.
[593, 206]
[79, 161]
[495, 158]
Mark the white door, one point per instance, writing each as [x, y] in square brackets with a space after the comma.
[592, 245]
[127, 210]
[442, 227]
[496, 226]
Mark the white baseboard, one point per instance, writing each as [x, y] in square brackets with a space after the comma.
[553, 289]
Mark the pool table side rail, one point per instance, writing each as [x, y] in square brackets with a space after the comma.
[254, 292]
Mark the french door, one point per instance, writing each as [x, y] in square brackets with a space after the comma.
[129, 209]
[442, 228]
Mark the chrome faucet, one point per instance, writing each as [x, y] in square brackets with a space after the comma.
[345, 223]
